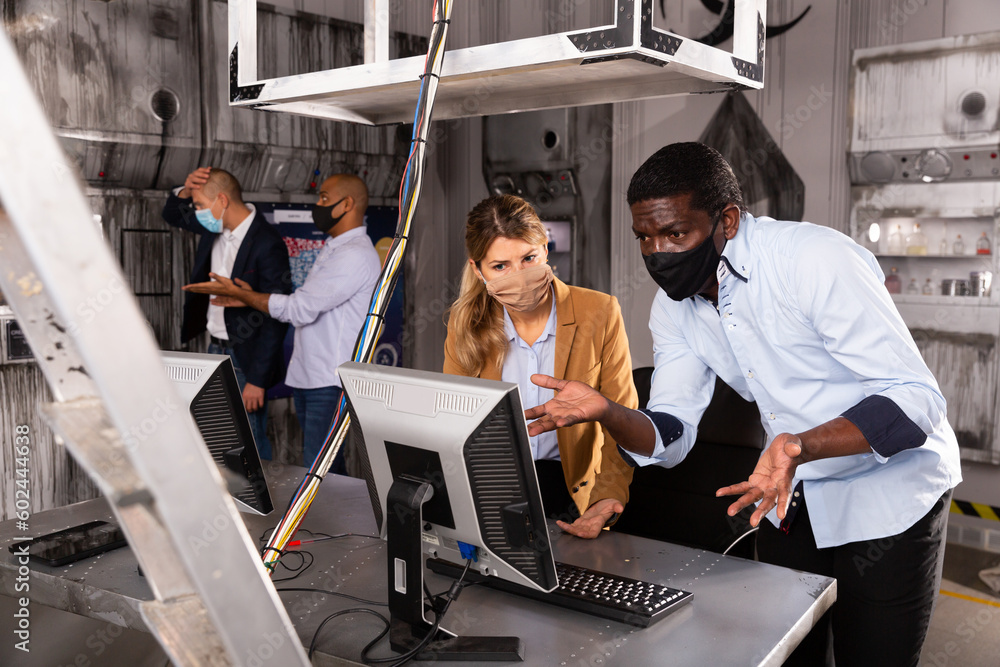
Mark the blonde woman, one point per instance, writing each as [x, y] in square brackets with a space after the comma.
[513, 319]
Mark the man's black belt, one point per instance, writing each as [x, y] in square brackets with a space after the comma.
[220, 342]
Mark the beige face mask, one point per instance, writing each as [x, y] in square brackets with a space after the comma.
[522, 290]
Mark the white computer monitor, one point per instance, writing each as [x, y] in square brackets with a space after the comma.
[464, 442]
[207, 385]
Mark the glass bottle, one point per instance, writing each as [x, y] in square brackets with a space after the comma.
[958, 247]
[928, 288]
[943, 246]
[893, 282]
[897, 244]
[912, 287]
[916, 242]
[983, 245]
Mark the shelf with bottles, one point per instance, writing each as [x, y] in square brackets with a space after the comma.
[956, 238]
[910, 279]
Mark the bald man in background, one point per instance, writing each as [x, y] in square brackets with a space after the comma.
[327, 310]
[236, 241]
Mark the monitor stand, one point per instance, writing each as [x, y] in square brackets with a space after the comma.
[405, 568]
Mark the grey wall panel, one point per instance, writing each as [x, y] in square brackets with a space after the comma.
[965, 366]
[52, 479]
[118, 80]
[138, 247]
[156, 258]
[97, 65]
[161, 317]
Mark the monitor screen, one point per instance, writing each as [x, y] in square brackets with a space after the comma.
[207, 384]
[467, 439]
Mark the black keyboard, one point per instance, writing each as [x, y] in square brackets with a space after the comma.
[601, 594]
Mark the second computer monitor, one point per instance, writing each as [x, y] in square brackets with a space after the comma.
[467, 439]
[207, 385]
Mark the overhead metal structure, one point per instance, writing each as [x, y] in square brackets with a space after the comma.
[629, 59]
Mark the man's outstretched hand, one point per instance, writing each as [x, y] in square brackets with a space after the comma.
[592, 522]
[771, 480]
[227, 291]
[574, 402]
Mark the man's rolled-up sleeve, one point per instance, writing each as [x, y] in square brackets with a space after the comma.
[680, 391]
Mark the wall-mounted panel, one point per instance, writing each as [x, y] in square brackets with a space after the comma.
[119, 82]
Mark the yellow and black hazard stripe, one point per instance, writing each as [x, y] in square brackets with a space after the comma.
[975, 509]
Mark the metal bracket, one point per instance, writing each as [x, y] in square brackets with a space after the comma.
[629, 59]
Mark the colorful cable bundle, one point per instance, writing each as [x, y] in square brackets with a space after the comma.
[364, 348]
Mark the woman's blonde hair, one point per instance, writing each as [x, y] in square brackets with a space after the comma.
[476, 318]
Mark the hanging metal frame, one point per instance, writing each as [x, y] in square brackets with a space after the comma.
[627, 60]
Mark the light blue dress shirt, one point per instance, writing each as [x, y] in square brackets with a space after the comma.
[806, 328]
[521, 362]
[329, 308]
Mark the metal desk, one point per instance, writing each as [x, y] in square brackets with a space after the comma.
[743, 612]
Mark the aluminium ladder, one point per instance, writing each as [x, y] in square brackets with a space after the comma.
[118, 413]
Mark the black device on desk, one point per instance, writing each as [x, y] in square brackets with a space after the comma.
[72, 544]
[449, 471]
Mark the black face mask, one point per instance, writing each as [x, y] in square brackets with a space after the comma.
[323, 216]
[682, 274]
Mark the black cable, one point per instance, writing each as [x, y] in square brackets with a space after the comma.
[342, 595]
[271, 566]
[450, 596]
[297, 570]
[357, 610]
[312, 558]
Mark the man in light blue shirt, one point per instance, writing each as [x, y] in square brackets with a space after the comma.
[861, 458]
[327, 311]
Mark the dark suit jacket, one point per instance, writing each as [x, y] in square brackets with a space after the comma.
[262, 261]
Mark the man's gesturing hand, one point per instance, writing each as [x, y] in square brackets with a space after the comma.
[575, 402]
[771, 480]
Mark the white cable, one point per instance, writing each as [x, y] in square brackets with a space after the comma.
[737, 541]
